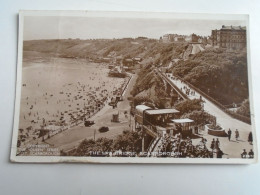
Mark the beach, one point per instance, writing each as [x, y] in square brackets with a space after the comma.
[61, 93]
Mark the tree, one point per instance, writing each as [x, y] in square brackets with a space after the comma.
[85, 147]
[244, 108]
[187, 106]
[128, 141]
[142, 100]
[105, 144]
[212, 69]
[199, 117]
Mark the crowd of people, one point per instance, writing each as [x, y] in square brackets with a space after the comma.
[59, 106]
[188, 91]
[250, 136]
[183, 148]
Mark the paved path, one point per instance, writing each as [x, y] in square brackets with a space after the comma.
[233, 148]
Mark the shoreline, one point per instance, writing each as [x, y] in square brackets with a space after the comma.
[57, 67]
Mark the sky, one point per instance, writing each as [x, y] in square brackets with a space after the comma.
[54, 27]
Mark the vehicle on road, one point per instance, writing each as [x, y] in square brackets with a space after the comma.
[89, 123]
[103, 129]
[113, 102]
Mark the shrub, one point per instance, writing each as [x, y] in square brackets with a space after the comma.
[187, 106]
[214, 127]
[244, 109]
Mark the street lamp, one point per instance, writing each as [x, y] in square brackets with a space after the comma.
[95, 135]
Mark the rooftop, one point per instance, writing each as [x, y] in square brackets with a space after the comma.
[184, 120]
[142, 107]
[233, 27]
[162, 111]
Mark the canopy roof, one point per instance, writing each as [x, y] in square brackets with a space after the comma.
[182, 120]
[161, 111]
[141, 108]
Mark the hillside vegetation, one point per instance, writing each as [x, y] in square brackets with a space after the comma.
[93, 49]
[127, 141]
[149, 87]
[221, 74]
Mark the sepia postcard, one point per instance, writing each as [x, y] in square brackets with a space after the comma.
[133, 87]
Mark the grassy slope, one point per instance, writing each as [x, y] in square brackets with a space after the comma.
[127, 47]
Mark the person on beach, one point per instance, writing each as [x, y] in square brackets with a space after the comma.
[237, 134]
[229, 134]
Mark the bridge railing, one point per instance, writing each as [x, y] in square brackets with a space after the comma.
[183, 95]
[218, 104]
[125, 86]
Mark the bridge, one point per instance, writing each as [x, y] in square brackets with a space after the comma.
[223, 118]
[176, 83]
[152, 130]
[170, 85]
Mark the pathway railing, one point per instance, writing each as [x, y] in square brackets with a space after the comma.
[183, 95]
[218, 104]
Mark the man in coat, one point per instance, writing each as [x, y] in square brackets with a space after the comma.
[229, 134]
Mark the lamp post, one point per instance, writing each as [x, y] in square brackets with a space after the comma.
[95, 135]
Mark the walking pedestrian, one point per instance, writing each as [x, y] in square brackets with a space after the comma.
[217, 144]
[212, 145]
[229, 134]
[237, 134]
[250, 138]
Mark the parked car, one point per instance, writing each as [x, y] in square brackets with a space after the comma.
[103, 129]
[89, 123]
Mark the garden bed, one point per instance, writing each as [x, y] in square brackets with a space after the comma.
[215, 130]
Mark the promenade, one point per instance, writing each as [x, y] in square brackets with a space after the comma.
[232, 148]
